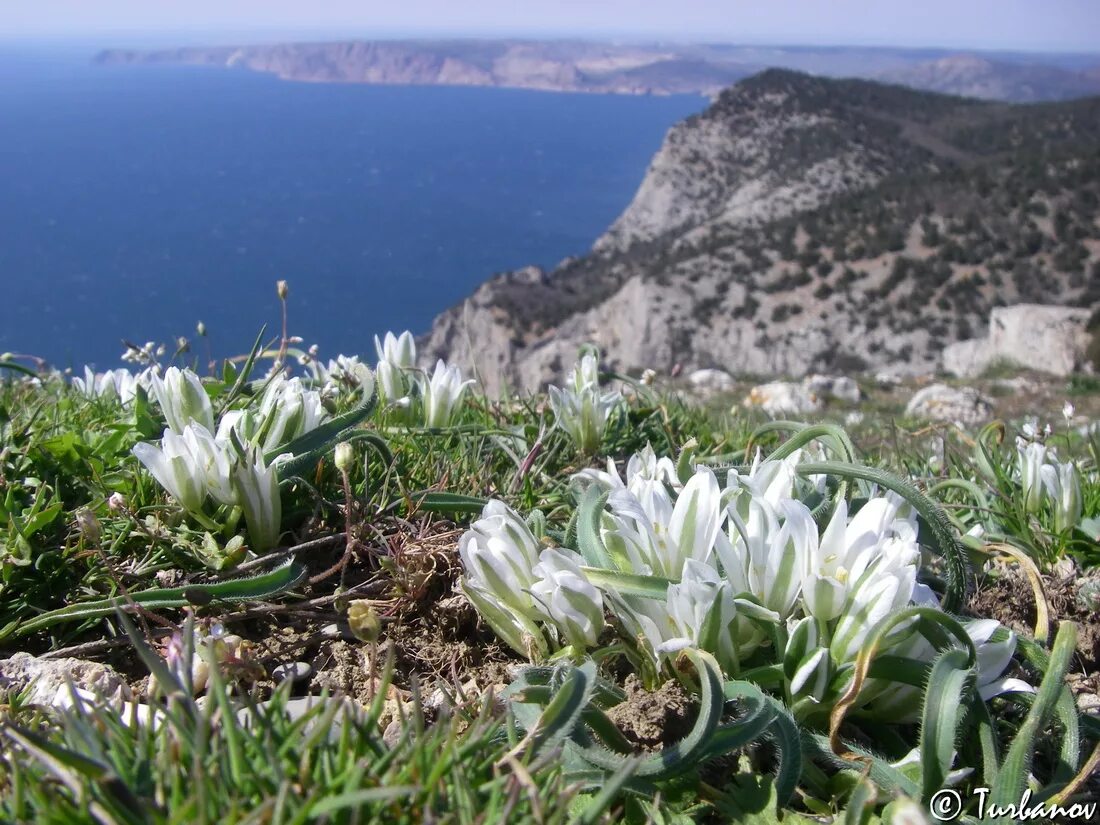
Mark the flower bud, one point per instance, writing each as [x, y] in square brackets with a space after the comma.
[364, 621]
[804, 637]
[344, 456]
[283, 290]
[565, 596]
[88, 525]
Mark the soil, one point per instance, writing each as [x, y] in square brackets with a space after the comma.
[654, 720]
[1006, 595]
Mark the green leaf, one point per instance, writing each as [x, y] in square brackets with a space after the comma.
[629, 584]
[1013, 776]
[357, 799]
[589, 542]
[308, 449]
[945, 700]
[284, 577]
[441, 502]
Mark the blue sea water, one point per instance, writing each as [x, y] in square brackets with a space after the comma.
[137, 201]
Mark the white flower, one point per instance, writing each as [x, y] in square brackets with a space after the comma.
[399, 350]
[994, 658]
[766, 552]
[696, 613]
[191, 466]
[1032, 431]
[176, 468]
[884, 588]
[343, 374]
[656, 536]
[1068, 411]
[580, 409]
[442, 393]
[806, 662]
[257, 489]
[1062, 483]
[564, 595]
[1030, 458]
[288, 411]
[117, 385]
[699, 599]
[214, 460]
[396, 356]
[645, 474]
[770, 480]
[838, 561]
[499, 555]
[901, 702]
[182, 399]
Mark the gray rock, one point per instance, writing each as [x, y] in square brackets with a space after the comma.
[783, 398]
[294, 671]
[960, 405]
[840, 387]
[967, 359]
[1050, 339]
[710, 382]
[48, 679]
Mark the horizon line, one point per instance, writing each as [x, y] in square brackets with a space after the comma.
[279, 36]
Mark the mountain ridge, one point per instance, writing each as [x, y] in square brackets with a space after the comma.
[657, 68]
[803, 223]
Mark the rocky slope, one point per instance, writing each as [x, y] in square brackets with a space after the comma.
[969, 75]
[586, 66]
[803, 224]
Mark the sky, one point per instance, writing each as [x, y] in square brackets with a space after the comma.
[1034, 25]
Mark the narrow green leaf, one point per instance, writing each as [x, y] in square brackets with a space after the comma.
[357, 799]
[945, 700]
[248, 588]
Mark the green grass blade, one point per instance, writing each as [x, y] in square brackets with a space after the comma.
[1013, 776]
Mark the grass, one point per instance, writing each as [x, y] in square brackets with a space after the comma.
[98, 559]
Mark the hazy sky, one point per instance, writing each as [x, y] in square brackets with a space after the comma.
[1063, 25]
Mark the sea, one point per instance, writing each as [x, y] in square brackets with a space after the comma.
[139, 201]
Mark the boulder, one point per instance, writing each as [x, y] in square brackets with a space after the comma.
[960, 405]
[840, 387]
[1049, 339]
[783, 398]
[967, 359]
[710, 382]
[48, 679]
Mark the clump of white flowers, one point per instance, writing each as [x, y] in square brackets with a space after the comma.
[396, 363]
[341, 376]
[146, 354]
[748, 574]
[114, 385]
[518, 585]
[581, 409]
[441, 393]
[1046, 481]
[197, 462]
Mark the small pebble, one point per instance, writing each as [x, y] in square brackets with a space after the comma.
[337, 631]
[294, 671]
